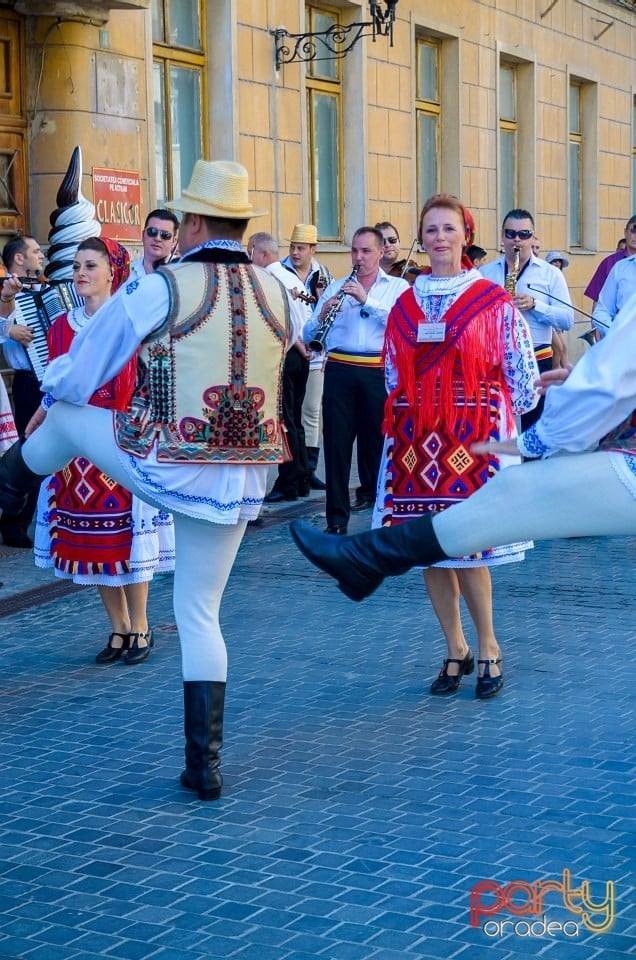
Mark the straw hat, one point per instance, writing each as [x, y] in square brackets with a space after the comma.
[217, 188]
[552, 255]
[304, 233]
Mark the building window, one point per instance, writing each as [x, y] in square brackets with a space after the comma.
[575, 165]
[508, 138]
[583, 163]
[428, 119]
[178, 90]
[324, 125]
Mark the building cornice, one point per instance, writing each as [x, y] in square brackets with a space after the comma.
[93, 10]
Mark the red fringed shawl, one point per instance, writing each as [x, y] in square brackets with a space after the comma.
[439, 380]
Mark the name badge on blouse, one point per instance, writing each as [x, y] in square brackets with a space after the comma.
[431, 332]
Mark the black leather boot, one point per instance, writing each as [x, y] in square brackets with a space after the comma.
[203, 702]
[361, 562]
[315, 483]
[16, 480]
[312, 458]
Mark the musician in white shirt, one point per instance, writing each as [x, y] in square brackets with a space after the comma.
[354, 394]
[22, 257]
[159, 241]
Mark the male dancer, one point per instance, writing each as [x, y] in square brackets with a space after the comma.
[588, 494]
[202, 428]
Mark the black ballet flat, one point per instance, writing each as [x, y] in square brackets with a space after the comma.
[444, 684]
[110, 653]
[488, 686]
[138, 652]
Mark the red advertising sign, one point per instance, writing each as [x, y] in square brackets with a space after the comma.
[117, 197]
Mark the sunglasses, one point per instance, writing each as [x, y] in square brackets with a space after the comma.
[632, 228]
[518, 234]
[392, 240]
[164, 234]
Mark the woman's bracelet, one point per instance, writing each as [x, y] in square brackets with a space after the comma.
[7, 299]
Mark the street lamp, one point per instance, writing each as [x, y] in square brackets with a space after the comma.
[338, 40]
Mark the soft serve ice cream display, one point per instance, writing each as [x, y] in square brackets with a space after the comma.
[72, 221]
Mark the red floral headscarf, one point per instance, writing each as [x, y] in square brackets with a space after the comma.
[119, 262]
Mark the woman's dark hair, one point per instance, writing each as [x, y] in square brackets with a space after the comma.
[95, 244]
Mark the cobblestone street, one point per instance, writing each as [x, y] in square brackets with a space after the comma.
[358, 811]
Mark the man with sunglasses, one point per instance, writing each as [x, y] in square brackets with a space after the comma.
[159, 240]
[390, 261]
[541, 291]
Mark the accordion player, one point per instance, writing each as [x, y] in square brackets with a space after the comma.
[37, 309]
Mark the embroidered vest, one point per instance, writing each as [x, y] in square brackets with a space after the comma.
[210, 385]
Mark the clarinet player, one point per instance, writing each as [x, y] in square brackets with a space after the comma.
[356, 309]
[535, 284]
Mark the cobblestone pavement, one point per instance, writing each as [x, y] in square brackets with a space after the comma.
[358, 811]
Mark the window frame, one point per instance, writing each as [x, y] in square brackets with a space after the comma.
[575, 139]
[167, 56]
[510, 127]
[333, 87]
[586, 139]
[427, 107]
[526, 175]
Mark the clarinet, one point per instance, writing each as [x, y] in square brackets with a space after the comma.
[317, 342]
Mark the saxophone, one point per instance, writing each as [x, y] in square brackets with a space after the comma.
[317, 342]
[511, 277]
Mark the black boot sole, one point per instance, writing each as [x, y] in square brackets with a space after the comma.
[203, 793]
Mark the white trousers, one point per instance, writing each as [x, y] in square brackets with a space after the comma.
[312, 407]
[205, 552]
[566, 496]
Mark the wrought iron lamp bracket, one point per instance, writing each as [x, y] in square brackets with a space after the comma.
[334, 43]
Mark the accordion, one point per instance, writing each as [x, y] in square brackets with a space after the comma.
[37, 310]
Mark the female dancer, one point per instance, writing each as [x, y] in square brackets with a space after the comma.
[460, 364]
[91, 529]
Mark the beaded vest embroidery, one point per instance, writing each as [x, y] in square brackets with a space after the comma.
[227, 322]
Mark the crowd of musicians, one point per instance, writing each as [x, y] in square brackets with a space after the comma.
[180, 380]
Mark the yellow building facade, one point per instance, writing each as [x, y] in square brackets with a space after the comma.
[527, 103]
